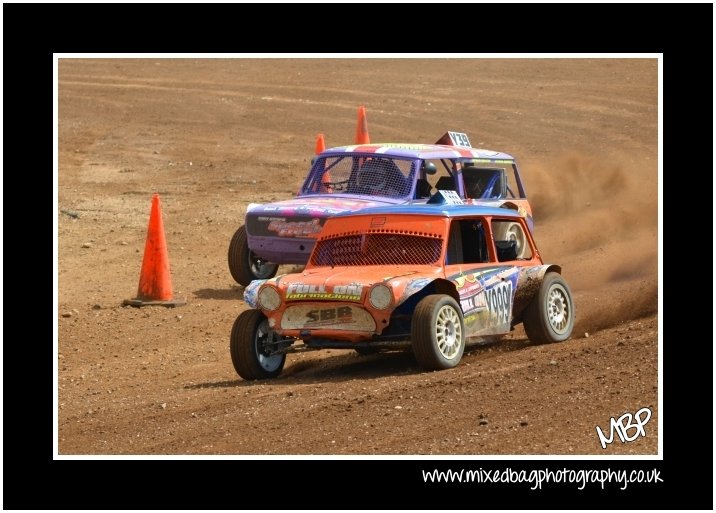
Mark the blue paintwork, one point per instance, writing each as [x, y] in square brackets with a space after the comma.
[436, 210]
[251, 293]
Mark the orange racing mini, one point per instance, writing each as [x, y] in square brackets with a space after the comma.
[430, 277]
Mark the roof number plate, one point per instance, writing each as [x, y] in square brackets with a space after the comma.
[445, 198]
[459, 139]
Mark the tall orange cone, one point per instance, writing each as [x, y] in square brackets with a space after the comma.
[362, 128]
[155, 282]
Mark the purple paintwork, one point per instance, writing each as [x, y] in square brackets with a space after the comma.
[284, 232]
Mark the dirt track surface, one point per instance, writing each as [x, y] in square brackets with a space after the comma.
[211, 136]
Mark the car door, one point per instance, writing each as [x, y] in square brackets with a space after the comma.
[485, 286]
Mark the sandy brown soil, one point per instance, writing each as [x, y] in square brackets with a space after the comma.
[211, 136]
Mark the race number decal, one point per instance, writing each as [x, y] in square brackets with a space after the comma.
[450, 198]
[459, 139]
[499, 301]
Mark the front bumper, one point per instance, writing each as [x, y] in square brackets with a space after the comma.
[281, 250]
[307, 320]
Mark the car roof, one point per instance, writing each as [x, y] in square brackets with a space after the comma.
[420, 151]
[434, 210]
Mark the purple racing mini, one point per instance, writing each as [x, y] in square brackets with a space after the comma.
[352, 178]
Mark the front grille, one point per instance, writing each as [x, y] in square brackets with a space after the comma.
[377, 249]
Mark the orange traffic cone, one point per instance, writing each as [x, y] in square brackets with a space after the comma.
[155, 283]
[362, 128]
[320, 144]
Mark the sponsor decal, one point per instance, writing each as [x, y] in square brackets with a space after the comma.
[491, 161]
[351, 292]
[294, 228]
[486, 295]
[284, 226]
[317, 317]
[403, 146]
[475, 302]
[413, 286]
[465, 280]
[328, 316]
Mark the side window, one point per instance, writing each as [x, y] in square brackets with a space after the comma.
[423, 185]
[513, 190]
[441, 178]
[510, 241]
[491, 179]
[466, 243]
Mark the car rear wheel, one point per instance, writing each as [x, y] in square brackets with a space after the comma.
[438, 332]
[244, 265]
[550, 316]
[251, 344]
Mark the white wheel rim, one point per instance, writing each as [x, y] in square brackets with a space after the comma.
[448, 332]
[558, 309]
[269, 363]
[259, 268]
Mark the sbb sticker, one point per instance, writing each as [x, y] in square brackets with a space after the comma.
[342, 314]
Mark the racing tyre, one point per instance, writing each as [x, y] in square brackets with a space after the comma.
[550, 316]
[513, 231]
[438, 332]
[250, 342]
[244, 265]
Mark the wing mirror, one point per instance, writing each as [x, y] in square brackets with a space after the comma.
[429, 168]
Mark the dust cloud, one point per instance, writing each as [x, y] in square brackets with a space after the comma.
[597, 217]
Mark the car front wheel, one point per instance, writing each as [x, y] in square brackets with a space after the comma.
[252, 344]
[438, 332]
[550, 316]
[244, 265]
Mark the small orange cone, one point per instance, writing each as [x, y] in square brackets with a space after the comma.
[320, 144]
[362, 128]
[155, 282]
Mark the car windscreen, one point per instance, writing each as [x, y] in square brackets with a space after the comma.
[377, 249]
[367, 175]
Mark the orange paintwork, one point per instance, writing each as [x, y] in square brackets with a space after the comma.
[330, 297]
[405, 223]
